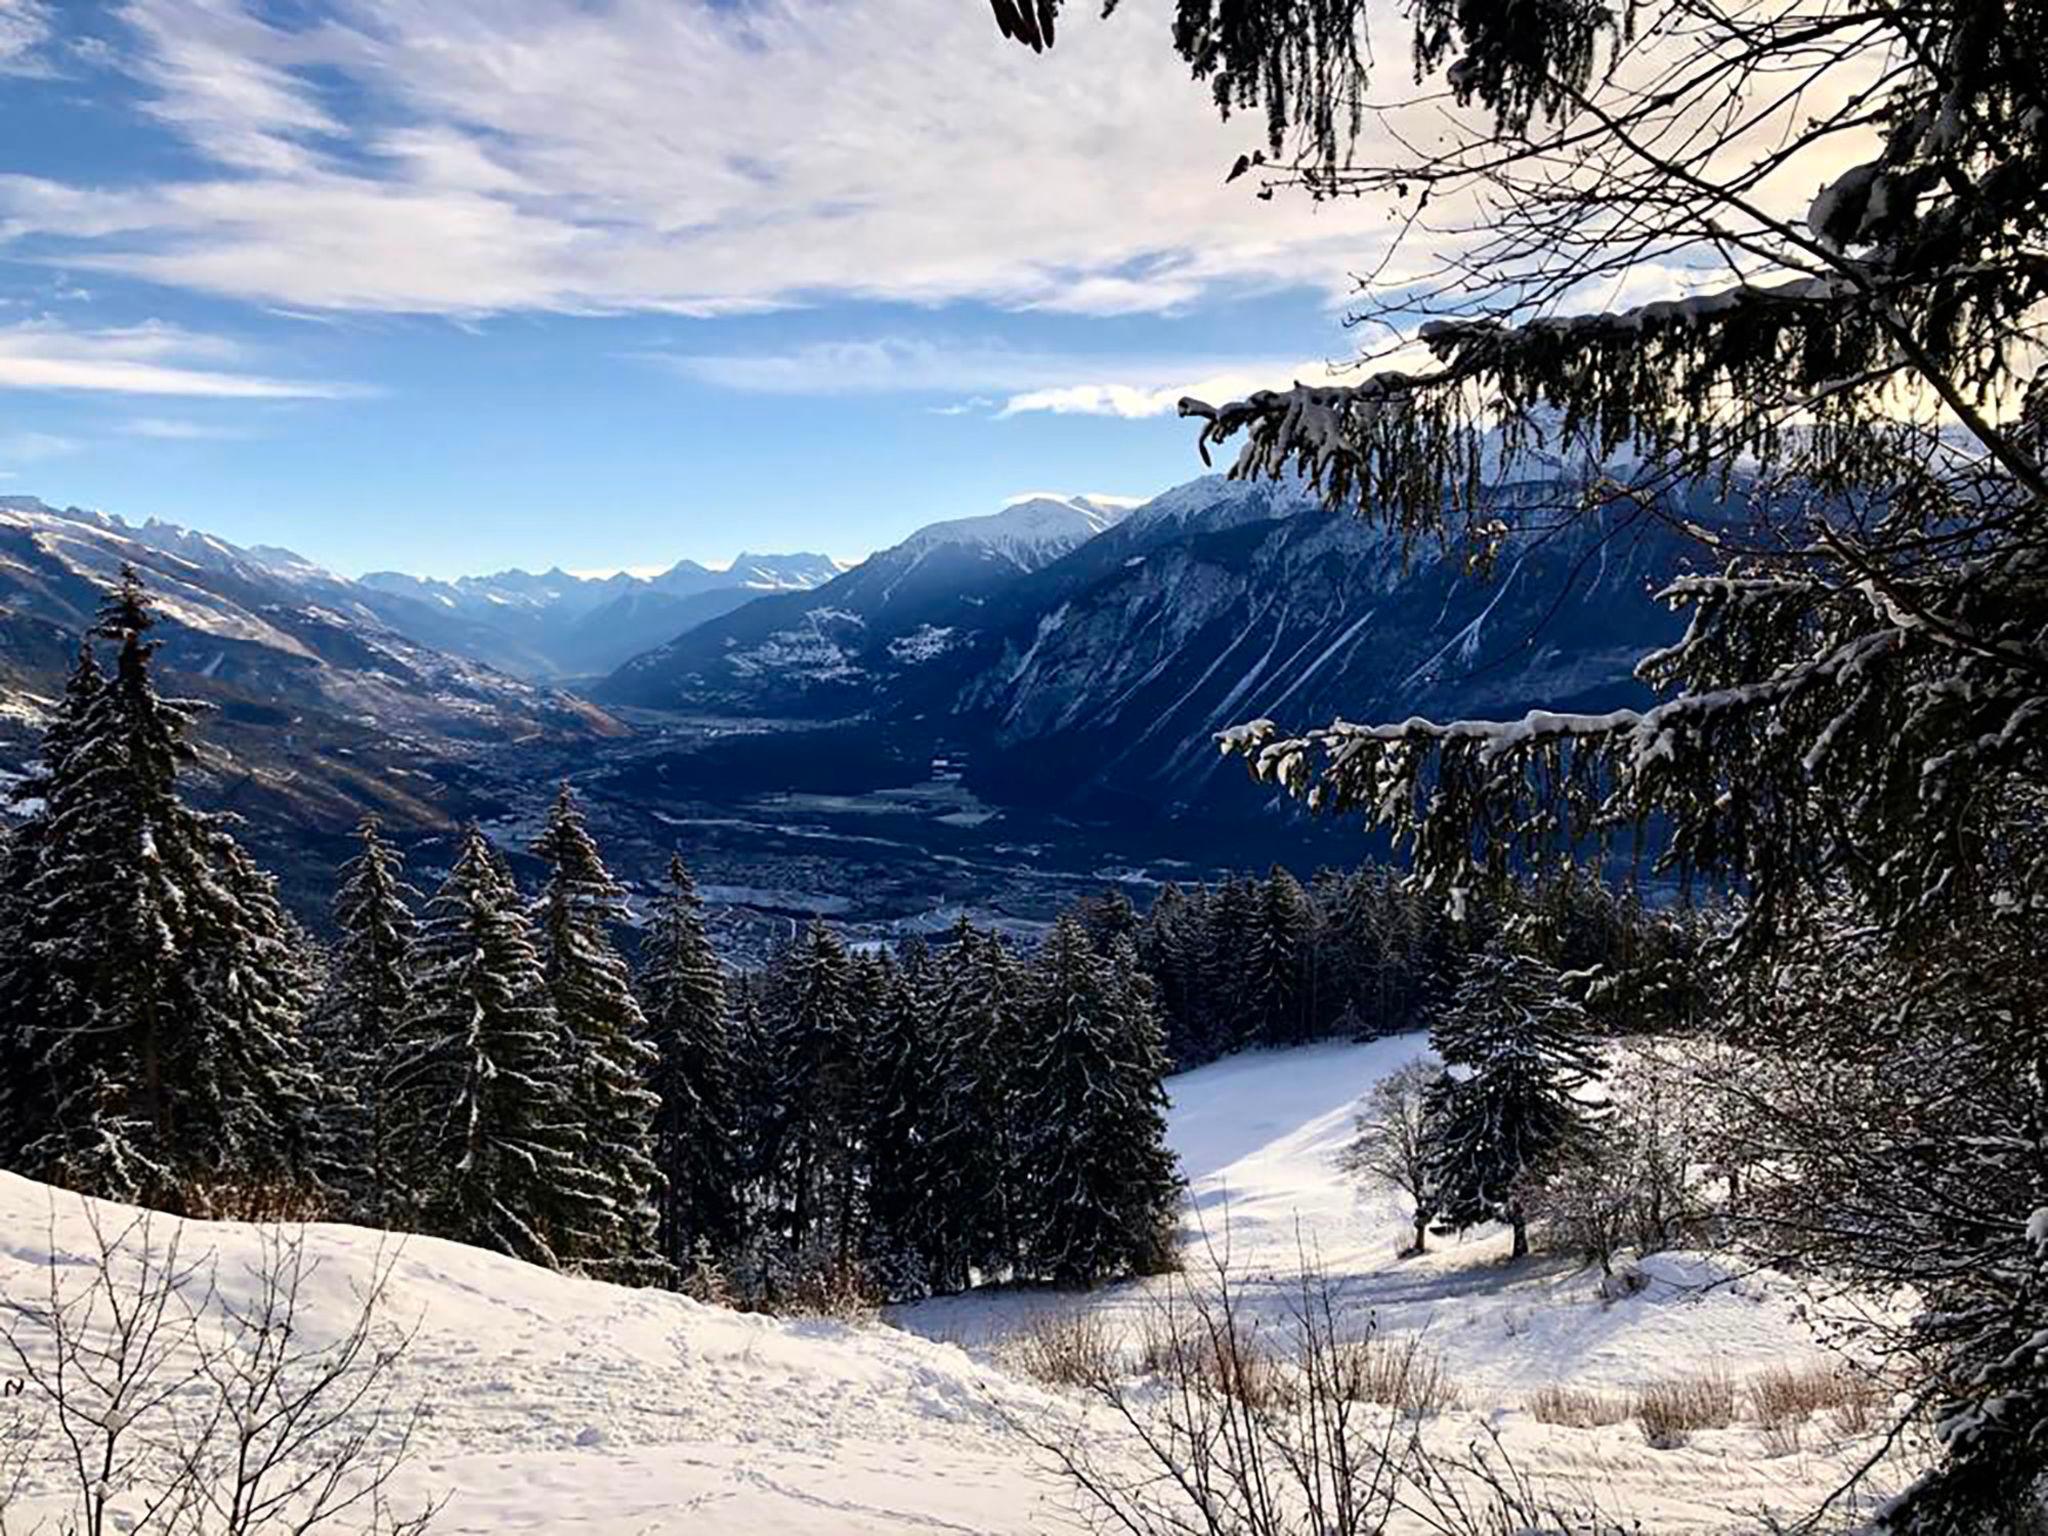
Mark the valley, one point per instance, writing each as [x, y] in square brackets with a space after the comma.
[993, 716]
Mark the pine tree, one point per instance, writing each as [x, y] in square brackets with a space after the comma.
[361, 1016]
[1517, 1051]
[976, 1168]
[486, 1144]
[900, 1061]
[157, 1012]
[1095, 1165]
[813, 1156]
[606, 1044]
[1282, 942]
[697, 1128]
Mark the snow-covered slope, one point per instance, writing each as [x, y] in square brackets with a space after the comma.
[1028, 533]
[562, 1405]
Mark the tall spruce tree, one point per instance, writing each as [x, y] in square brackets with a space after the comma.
[1101, 1182]
[606, 1039]
[487, 1147]
[157, 1008]
[900, 1061]
[1516, 1048]
[697, 1125]
[361, 1015]
[813, 1157]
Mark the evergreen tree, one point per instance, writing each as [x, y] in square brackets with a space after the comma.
[1516, 1050]
[605, 1040]
[157, 1011]
[487, 1147]
[1281, 945]
[1095, 1166]
[973, 1167]
[899, 1069]
[362, 1012]
[697, 1129]
[813, 1154]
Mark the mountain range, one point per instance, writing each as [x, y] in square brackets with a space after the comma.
[559, 625]
[1093, 678]
[1042, 682]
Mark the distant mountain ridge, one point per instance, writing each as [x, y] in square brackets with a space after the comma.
[557, 625]
[1094, 676]
[319, 710]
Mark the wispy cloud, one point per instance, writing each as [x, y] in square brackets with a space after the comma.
[26, 27]
[452, 158]
[173, 429]
[35, 447]
[997, 381]
[140, 360]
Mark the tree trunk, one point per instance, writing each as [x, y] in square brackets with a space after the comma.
[1520, 1223]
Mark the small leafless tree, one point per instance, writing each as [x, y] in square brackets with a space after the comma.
[162, 1396]
[1391, 1144]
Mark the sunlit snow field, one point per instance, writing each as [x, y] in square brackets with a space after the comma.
[558, 1404]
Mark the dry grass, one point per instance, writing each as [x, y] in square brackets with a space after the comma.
[1672, 1411]
[1224, 1356]
[1064, 1349]
[1785, 1398]
[1405, 1377]
[1578, 1407]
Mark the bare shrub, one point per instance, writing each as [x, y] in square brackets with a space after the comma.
[1405, 1377]
[1323, 1457]
[1784, 1398]
[1064, 1349]
[1673, 1410]
[1225, 1354]
[172, 1398]
[1577, 1407]
[1861, 1404]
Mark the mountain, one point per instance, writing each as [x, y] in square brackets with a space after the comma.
[557, 624]
[1094, 681]
[826, 650]
[316, 709]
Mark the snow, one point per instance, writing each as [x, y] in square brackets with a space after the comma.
[556, 1404]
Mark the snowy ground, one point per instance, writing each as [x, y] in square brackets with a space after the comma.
[561, 1405]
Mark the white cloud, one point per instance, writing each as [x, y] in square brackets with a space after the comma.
[1024, 382]
[25, 29]
[151, 359]
[591, 155]
[175, 429]
[34, 447]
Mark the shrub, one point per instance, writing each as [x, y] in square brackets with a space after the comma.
[1785, 1397]
[1405, 1377]
[1577, 1407]
[1671, 1411]
[1064, 1349]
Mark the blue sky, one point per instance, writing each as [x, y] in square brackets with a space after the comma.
[451, 285]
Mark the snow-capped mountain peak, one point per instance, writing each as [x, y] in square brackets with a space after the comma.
[1030, 532]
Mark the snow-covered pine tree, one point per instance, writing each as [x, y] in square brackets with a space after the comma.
[1517, 1050]
[973, 1166]
[250, 1123]
[899, 1071]
[812, 1157]
[606, 1041]
[361, 1014]
[1279, 955]
[158, 1026]
[486, 1144]
[25, 1098]
[697, 1127]
[1101, 1184]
